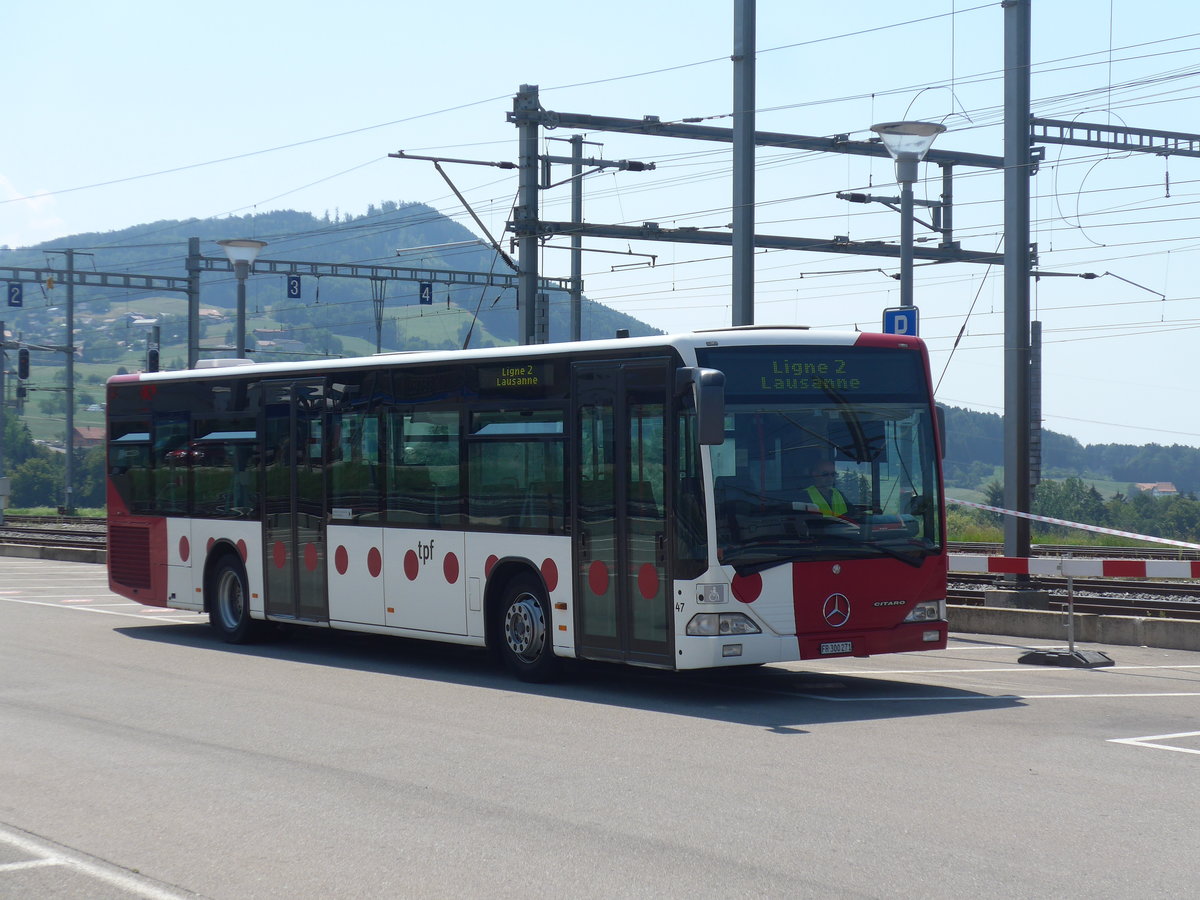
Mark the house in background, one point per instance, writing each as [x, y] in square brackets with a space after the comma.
[1157, 488]
[89, 435]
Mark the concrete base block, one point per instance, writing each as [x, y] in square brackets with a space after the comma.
[62, 554]
[1002, 598]
[1131, 631]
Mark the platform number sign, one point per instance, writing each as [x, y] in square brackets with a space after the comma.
[426, 293]
[16, 293]
[293, 287]
[900, 320]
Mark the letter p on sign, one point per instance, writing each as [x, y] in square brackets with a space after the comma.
[900, 320]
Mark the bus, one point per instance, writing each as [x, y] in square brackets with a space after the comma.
[637, 500]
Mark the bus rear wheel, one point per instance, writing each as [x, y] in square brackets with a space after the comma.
[523, 630]
[229, 602]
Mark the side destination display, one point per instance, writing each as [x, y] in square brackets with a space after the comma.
[515, 376]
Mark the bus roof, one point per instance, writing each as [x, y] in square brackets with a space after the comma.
[684, 343]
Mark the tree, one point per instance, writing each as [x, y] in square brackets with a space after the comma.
[18, 442]
[53, 403]
[37, 482]
[90, 477]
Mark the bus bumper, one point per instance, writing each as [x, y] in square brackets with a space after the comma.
[756, 649]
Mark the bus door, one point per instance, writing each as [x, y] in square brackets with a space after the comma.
[294, 500]
[622, 586]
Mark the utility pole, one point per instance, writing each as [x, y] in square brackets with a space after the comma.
[1017, 170]
[532, 325]
[193, 302]
[4, 482]
[378, 289]
[69, 476]
[743, 161]
[577, 239]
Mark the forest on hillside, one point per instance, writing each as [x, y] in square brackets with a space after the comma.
[975, 447]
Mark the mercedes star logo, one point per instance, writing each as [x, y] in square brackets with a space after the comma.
[836, 610]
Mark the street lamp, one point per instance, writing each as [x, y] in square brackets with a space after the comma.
[907, 142]
[242, 254]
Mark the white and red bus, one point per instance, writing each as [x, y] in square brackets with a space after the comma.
[639, 500]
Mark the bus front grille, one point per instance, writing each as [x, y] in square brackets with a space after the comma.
[129, 555]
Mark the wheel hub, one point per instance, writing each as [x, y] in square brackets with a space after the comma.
[525, 628]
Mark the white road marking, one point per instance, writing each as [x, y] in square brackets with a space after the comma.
[49, 854]
[956, 648]
[1015, 667]
[29, 864]
[1151, 741]
[191, 617]
[982, 699]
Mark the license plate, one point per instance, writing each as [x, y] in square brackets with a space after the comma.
[836, 647]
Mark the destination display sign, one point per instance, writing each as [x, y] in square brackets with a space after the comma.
[842, 371]
[516, 376]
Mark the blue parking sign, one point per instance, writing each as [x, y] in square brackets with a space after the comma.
[901, 320]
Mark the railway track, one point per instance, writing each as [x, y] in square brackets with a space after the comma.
[1111, 596]
[54, 532]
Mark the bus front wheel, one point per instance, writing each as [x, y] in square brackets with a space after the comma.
[523, 629]
[229, 602]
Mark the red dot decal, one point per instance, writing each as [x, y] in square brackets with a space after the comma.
[598, 577]
[647, 581]
[185, 549]
[550, 574]
[245, 553]
[208, 547]
[310, 557]
[747, 588]
[279, 554]
[450, 568]
[374, 562]
[341, 559]
[489, 565]
[410, 565]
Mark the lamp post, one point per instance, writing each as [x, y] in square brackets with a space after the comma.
[242, 254]
[907, 142]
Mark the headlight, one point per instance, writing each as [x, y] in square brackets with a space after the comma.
[928, 611]
[711, 624]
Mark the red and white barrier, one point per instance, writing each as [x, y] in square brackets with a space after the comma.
[1065, 566]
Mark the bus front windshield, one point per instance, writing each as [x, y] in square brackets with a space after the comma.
[826, 474]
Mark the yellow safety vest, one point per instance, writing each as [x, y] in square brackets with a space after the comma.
[835, 507]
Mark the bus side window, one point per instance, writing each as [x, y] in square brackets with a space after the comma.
[515, 470]
[171, 462]
[422, 477]
[691, 532]
[353, 453]
[130, 473]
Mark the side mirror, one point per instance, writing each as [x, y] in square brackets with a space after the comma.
[708, 394]
[941, 426]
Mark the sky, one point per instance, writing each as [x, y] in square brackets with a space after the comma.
[136, 111]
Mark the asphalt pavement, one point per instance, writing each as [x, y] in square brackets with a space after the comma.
[142, 757]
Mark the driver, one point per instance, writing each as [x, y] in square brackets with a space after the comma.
[823, 493]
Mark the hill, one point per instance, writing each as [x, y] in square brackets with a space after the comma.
[975, 456]
[334, 316]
